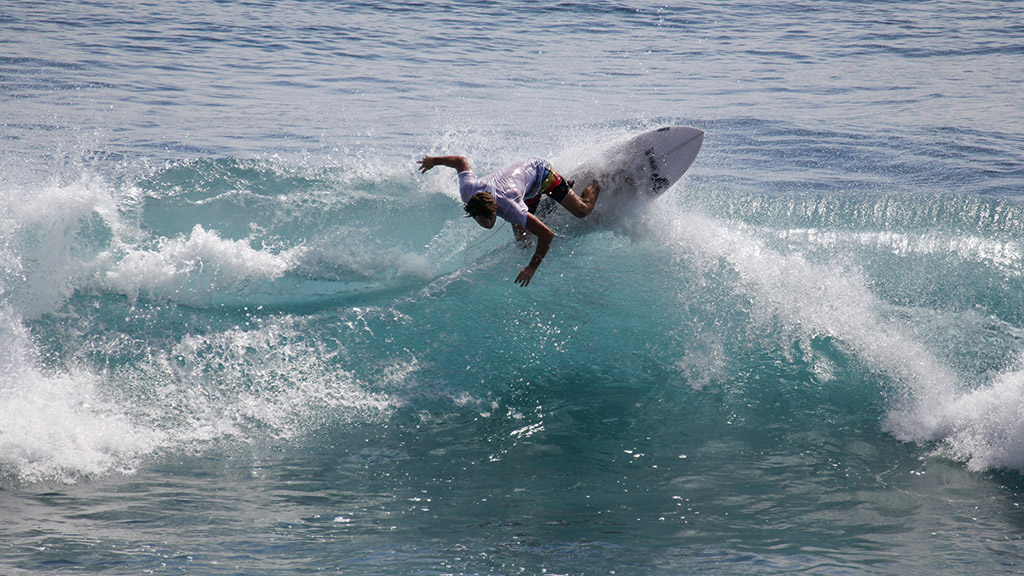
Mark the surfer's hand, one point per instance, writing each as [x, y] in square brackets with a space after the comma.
[459, 163]
[524, 277]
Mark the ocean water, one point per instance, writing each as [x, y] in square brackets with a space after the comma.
[241, 334]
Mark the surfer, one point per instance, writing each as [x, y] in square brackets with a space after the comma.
[514, 193]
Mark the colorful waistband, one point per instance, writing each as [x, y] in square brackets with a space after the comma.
[553, 184]
[550, 181]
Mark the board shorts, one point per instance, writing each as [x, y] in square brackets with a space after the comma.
[552, 184]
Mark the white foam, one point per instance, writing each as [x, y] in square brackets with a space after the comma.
[60, 425]
[198, 264]
[67, 422]
[55, 424]
[985, 427]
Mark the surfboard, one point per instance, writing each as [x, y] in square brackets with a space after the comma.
[640, 167]
[645, 165]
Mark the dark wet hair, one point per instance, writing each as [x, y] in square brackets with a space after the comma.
[481, 204]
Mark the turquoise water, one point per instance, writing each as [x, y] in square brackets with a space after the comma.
[241, 334]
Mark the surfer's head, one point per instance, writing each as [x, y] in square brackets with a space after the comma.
[482, 208]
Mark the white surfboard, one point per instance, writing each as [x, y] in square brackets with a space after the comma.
[644, 165]
[636, 168]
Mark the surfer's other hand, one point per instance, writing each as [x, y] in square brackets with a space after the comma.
[524, 277]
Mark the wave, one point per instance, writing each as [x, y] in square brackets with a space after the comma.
[236, 299]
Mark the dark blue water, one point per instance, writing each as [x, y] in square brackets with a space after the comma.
[241, 334]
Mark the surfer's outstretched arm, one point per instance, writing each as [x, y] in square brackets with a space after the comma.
[544, 236]
[459, 163]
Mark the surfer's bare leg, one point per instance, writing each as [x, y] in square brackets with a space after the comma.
[581, 205]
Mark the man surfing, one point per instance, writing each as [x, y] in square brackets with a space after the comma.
[514, 193]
